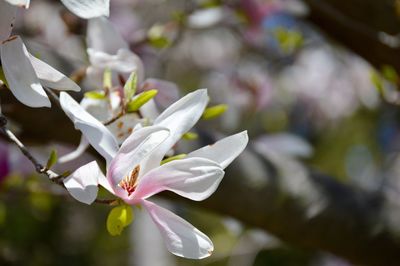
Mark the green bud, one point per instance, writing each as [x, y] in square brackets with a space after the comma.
[99, 95]
[3, 77]
[52, 159]
[214, 111]
[140, 100]
[390, 73]
[107, 79]
[190, 136]
[118, 218]
[173, 158]
[130, 86]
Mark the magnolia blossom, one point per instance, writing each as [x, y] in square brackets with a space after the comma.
[108, 50]
[25, 74]
[134, 170]
[107, 108]
[85, 9]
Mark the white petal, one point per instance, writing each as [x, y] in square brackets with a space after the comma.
[124, 61]
[102, 36]
[88, 8]
[82, 184]
[150, 111]
[20, 3]
[83, 145]
[122, 128]
[20, 74]
[93, 130]
[283, 143]
[181, 238]
[7, 17]
[223, 151]
[178, 118]
[193, 178]
[134, 149]
[51, 77]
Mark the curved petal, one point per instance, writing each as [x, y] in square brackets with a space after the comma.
[193, 178]
[178, 118]
[181, 238]
[20, 3]
[102, 36]
[20, 75]
[88, 8]
[94, 131]
[83, 145]
[7, 17]
[51, 77]
[134, 149]
[82, 184]
[223, 151]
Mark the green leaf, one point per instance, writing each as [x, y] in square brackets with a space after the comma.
[173, 158]
[130, 86]
[107, 79]
[214, 111]
[99, 95]
[190, 136]
[119, 218]
[52, 159]
[140, 100]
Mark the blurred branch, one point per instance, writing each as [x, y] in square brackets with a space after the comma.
[302, 208]
[377, 39]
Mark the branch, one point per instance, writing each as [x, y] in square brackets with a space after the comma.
[377, 40]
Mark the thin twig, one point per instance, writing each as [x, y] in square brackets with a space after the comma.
[54, 177]
[115, 118]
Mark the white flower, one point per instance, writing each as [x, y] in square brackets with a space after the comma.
[134, 172]
[108, 50]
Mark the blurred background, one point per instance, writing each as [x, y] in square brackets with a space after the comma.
[316, 84]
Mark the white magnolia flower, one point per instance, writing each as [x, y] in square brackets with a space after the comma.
[85, 9]
[106, 109]
[108, 50]
[134, 172]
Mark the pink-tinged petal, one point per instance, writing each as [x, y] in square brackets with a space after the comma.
[178, 118]
[223, 151]
[94, 131]
[181, 238]
[283, 143]
[20, 3]
[20, 75]
[134, 149]
[88, 8]
[7, 17]
[83, 145]
[193, 178]
[102, 36]
[51, 77]
[82, 184]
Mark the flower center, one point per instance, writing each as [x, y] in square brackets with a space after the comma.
[130, 181]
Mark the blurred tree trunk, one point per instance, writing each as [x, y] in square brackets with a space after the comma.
[368, 27]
